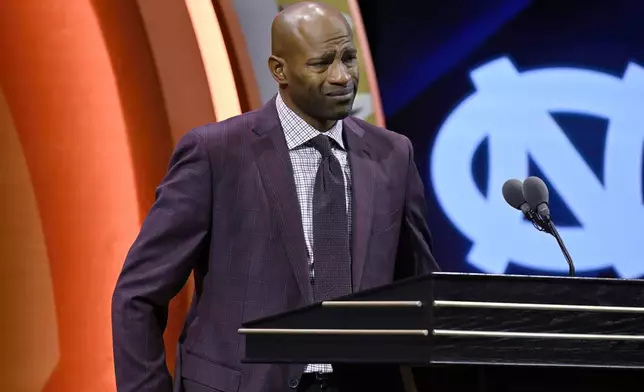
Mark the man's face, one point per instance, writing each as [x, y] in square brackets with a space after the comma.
[322, 71]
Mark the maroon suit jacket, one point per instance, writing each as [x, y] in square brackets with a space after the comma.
[228, 210]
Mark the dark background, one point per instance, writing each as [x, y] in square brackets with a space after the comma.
[423, 52]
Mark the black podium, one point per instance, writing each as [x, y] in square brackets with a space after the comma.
[476, 332]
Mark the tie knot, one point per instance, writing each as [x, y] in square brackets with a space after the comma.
[322, 143]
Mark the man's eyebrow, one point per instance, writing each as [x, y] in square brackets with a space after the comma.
[324, 55]
[332, 53]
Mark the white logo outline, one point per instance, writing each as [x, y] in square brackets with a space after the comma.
[511, 109]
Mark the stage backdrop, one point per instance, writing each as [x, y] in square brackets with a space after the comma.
[94, 94]
[502, 89]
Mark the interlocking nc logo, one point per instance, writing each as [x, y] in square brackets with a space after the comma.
[511, 109]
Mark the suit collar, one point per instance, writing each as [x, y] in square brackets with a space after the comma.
[276, 173]
[267, 119]
[363, 173]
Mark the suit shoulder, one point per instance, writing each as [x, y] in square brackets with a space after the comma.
[397, 140]
[216, 134]
[233, 125]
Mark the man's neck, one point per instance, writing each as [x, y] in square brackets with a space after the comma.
[319, 125]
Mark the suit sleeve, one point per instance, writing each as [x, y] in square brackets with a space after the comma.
[414, 256]
[173, 236]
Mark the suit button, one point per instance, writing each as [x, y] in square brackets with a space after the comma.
[293, 382]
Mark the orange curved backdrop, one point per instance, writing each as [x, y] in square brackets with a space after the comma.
[94, 94]
[87, 124]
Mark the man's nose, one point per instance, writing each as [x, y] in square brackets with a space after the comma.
[339, 74]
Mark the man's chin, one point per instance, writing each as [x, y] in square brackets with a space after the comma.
[341, 115]
[342, 111]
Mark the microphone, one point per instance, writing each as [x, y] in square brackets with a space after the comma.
[535, 192]
[513, 194]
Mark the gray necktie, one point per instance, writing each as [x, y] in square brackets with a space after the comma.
[331, 254]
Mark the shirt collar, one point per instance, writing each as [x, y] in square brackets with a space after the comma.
[297, 131]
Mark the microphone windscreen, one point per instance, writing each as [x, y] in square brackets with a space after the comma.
[535, 191]
[513, 193]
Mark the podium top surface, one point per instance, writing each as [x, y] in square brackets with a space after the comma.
[496, 287]
[467, 275]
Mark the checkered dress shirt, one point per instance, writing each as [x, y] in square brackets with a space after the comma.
[305, 160]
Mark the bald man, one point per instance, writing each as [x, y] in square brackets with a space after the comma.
[294, 203]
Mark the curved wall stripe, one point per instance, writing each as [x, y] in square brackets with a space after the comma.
[28, 332]
[219, 73]
[367, 62]
[246, 82]
[62, 89]
[139, 94]
[147, 115]
[179, 65]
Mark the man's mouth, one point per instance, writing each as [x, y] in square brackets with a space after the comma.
[341, 93]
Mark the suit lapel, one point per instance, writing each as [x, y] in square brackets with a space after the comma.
[276, 173]
[363, 178]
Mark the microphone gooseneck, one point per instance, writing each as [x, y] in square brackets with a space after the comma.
[562, 246]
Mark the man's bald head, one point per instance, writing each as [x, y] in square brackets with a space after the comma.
[314, 61]
[301, 22]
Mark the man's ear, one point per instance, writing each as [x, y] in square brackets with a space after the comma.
[277, 66]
